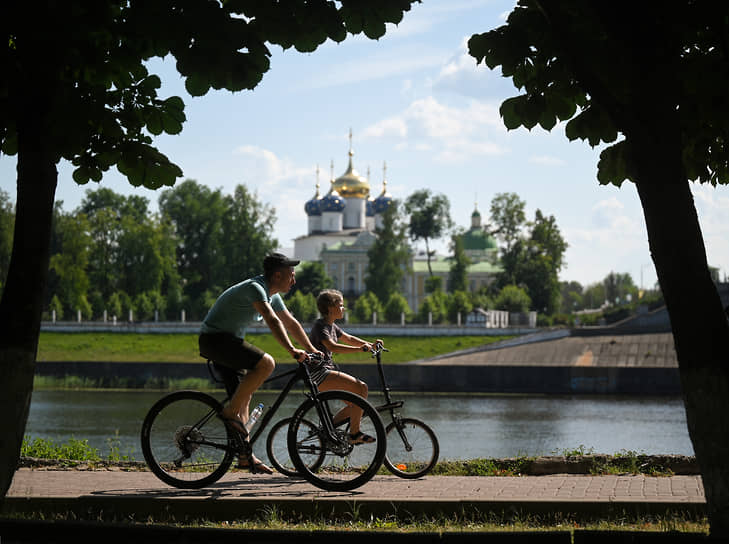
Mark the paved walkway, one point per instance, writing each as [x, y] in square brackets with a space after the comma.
[240, 492]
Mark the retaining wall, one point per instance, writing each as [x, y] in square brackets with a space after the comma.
[415, 378]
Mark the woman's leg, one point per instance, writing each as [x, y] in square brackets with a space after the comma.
[345, 382]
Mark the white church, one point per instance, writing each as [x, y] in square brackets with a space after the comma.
[341, 229]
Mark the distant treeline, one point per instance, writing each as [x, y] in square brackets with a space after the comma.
[112, 253]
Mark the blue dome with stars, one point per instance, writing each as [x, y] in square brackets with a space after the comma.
[382, 202]
[370, 208]
[332, 202]
[313, 206]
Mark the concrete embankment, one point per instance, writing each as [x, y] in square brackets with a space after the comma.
[552, 362]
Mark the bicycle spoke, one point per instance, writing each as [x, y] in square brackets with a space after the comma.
[183, 445]
[341, 465]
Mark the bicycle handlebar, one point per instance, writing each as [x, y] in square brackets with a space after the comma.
[378, 348]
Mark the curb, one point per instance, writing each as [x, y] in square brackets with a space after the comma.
[539, 466]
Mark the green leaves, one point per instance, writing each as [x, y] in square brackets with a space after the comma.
[528, 111]
[594, 125]
[370, 17]
[10, 142]
[197, 84]
[103, 103]
[612, 168]
[144, 166]
[166, 116]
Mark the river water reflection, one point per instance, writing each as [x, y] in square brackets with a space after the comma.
[468, 427]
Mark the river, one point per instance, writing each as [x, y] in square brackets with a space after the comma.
[467, 426]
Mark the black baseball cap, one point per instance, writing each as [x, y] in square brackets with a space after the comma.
[274, 261]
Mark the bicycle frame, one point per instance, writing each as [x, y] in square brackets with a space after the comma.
[300, 373]
[389, 403]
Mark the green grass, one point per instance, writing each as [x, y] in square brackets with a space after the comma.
[122, 383]
[182, 348]
[270, 518]
[73, 450]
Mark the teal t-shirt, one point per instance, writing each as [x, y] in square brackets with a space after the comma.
[234, 310]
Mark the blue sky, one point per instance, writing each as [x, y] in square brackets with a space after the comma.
[416, 100]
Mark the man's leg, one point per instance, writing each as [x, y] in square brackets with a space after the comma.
[239, 406]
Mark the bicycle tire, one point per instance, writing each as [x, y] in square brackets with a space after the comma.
[344, 466]
[184, 442]
[277, 448]
[424, 452]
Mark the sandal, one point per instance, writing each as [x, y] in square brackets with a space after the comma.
[258, 467]
[361, 438]
[235, 425]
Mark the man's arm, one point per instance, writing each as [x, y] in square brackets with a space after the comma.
[296, 330]
[278, 330]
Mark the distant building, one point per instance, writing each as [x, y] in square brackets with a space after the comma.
[342, 214]
[341, 230]
[478, 244]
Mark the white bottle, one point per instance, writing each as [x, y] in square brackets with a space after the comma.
[255, 414]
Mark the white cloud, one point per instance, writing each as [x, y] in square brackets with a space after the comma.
[461, 74]
[455, 132]
[614, 241]
[608, 213]
[262, 164]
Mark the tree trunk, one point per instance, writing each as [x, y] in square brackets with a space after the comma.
[21, 305]
[700, 327]
[427, 256]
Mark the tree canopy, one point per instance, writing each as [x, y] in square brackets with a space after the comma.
[388, 257]
[430, 218]
[650, 80]
[75, 86]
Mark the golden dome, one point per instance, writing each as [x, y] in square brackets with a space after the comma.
[351, 184]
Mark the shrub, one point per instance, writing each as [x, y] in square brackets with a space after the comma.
[396, 305]
[433, 284]
[434, 304]
[57, 306]
[513, 299]
[85, 307]
[459, 302]
[366, 305]
[303, 306]
[97, 304]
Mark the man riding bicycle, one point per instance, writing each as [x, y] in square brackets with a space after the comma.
[222, 339]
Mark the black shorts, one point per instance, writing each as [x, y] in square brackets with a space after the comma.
[227, 350]
[232, 357]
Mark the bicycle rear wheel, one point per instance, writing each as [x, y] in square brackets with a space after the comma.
[277, 447]
[412, 448]
[343, 466]
[185, 443]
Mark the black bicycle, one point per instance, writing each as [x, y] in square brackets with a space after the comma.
[412, 446]
[187, 445]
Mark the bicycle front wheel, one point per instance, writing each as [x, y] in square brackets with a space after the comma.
[412, 448]
[277, 447]
[185, 443]
[343, 466]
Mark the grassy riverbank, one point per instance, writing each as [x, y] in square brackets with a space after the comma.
[182, 348]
